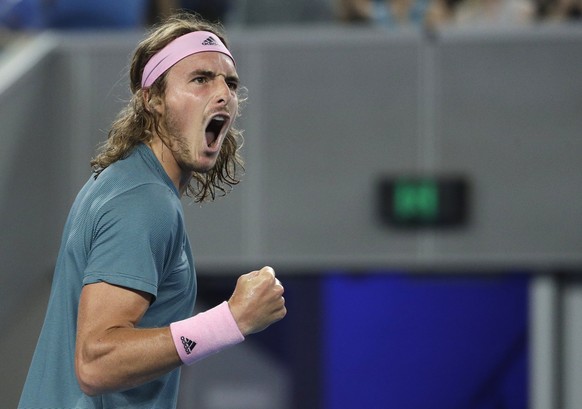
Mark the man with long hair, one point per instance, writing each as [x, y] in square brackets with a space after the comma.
[119, 323]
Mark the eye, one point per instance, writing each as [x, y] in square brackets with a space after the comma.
[233, 85]
[200, 80]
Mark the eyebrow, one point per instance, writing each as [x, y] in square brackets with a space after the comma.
[212, 74]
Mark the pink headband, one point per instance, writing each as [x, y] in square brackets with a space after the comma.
[188, 44]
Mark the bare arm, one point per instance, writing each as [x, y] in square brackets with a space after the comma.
[112, 354]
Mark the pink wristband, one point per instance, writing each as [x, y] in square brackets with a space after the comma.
[205, 334]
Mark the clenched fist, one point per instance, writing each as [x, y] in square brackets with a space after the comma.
[257, 301]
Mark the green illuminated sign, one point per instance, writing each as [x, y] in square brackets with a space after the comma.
[416, 200]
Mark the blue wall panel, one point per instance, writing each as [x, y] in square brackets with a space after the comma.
[409, 342]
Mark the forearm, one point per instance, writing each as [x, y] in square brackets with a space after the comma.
[123, 358]
[112, 354]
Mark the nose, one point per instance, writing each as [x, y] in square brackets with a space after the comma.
[223, 91]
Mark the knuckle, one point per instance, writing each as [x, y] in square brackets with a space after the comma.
[268, 270]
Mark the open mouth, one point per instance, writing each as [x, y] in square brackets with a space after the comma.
[214, 129]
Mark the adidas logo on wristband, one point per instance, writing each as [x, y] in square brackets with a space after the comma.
[188, 345]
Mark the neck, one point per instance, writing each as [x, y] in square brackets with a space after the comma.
[168, 162]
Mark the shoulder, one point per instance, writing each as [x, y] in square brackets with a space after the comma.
[146, 216]
[145, 203]
[130, 185]
[131, 192]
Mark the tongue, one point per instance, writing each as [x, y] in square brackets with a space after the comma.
[210, 137]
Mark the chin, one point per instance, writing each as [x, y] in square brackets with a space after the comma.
[203, 166]
[204, 169]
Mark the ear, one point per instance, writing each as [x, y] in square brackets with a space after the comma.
[152, 102]
[145, 95]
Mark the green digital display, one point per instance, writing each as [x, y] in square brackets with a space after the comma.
[413, 202]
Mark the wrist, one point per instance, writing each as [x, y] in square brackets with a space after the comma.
[205, 334]
[237, 317]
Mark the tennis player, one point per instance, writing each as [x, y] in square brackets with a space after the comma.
[119, 323]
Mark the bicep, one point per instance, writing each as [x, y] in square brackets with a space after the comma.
[104, 307]
[110, 351]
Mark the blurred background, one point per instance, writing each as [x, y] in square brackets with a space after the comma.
[413, 175]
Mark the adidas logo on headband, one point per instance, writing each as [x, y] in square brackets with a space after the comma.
[209, 41]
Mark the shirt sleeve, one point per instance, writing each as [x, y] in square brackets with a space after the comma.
[134, 237]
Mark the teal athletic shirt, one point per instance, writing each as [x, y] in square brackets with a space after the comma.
[126, 227]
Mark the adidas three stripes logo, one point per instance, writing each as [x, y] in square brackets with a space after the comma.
[188, 345]
[209, 41]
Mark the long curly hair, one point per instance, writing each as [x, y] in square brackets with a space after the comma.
[136, 124]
